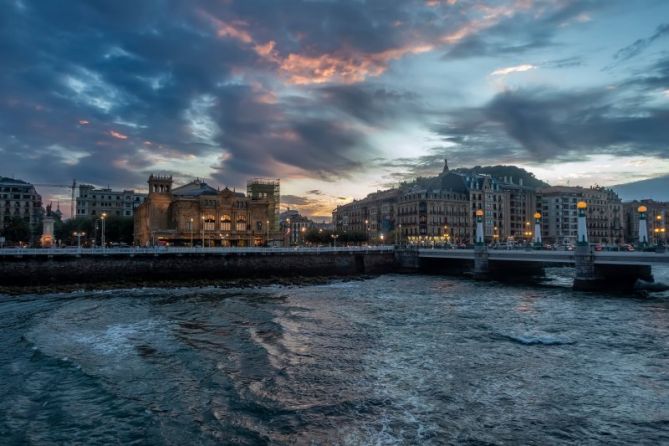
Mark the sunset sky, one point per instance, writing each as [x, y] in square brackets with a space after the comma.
[336, 98]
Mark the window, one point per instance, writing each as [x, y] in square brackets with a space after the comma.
[226, 223]
[209, 223]
[241, 223]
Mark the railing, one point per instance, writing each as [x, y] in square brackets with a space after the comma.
[158, 250]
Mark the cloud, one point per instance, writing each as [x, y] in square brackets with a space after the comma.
[640, 45]
[516, 69]
[546, 124]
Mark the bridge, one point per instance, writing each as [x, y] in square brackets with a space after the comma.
[594, 270]
[550, 257]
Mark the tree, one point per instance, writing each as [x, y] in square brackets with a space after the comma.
[16, 230]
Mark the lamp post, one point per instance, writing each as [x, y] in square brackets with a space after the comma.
[267, 238]
[191, 231]
[288, 231]
[334, 239]
[582, 228]
[381, 238]
[367, 231]
[643, 226]
[203, 232]
[78, 235]
[537, 230]
[302, 230]
[102, 239]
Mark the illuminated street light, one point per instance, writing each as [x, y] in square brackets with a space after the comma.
[102, 240]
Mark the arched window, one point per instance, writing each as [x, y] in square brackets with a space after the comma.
[226, 223]
[241, 223]
[209, 223]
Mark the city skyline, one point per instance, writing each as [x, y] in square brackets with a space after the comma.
[338, 99]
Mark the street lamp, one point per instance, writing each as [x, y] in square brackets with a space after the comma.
[367, 230]
[78, 235]
[302, 230]
[334, 239]
[191, 232]
[102, 240]
[203, 232]
[267, 239]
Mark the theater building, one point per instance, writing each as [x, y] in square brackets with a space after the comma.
[197, 214]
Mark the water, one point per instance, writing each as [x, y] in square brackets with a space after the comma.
[391, 360]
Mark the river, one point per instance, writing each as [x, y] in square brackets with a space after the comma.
[397, 359]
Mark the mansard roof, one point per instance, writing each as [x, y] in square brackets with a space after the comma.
[194, 189]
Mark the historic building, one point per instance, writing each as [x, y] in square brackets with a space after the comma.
[557, 205]
[656, 219]
[93, 202]
[198, 214]
[20, 199]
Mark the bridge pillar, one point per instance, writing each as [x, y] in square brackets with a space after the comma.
[481, 263]
[586, 276]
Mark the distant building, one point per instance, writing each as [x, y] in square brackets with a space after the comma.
[294, 226]
[197, 213]
[93, 202]
[20, 199]
[442, 208]
[656, 219]
[557, 205]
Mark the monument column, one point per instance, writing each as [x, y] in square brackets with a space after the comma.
[537, 230]
[643, 226]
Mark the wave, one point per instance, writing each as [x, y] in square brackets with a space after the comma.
[535, 339]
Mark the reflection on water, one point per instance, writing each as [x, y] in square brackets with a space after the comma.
[392, 360]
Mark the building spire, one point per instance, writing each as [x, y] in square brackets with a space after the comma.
[445, 166]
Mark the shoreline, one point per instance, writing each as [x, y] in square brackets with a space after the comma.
[18, 290]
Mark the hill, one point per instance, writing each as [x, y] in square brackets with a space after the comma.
[501, 172]
[655, 188]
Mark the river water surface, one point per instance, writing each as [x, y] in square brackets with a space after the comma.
[390, 360]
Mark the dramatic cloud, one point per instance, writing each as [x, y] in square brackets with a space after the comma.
[335, 96]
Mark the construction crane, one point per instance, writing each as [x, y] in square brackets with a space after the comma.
[72, 186]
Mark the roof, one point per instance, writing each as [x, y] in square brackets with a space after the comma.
[7, 180]
[194, 189]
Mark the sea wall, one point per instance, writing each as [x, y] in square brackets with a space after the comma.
[43, 270]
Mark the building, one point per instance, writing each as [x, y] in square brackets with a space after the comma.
[93, 202]
[374, 215]
[557, 205]
[198, 214]
[435, 210]
[294, 227]
[428, 210]
[266, 188]
[656, 219]
[20, 199]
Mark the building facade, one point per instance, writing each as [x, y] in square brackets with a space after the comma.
[557, 205]
[93, 202]
[656, 219]
[20, 199]
[199, 215]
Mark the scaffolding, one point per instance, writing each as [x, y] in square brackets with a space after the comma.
[266, 189]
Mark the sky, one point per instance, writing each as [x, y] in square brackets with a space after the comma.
[336, 98]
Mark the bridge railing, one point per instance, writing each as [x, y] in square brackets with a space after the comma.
[158, 250]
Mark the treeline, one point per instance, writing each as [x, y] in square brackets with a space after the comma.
[117, 230]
